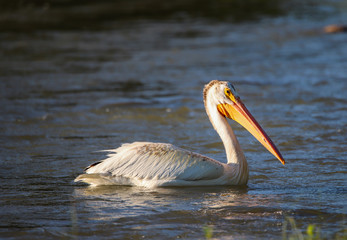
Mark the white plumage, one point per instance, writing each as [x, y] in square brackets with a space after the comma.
[159, 164]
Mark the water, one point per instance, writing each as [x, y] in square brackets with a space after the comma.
[68, 93]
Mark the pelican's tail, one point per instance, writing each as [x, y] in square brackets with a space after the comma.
[94, 179]
[97, 179]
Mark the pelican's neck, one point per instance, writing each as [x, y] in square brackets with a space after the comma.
[231, 144]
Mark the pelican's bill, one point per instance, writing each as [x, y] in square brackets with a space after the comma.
[239, 113]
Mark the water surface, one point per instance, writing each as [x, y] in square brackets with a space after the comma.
[66, 94]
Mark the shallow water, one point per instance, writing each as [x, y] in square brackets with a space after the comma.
[66, 94]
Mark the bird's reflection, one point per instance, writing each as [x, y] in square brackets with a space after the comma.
[118, 190]
[121, 201]
[123, 204]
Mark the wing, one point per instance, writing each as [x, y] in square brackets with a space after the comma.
[157, 161]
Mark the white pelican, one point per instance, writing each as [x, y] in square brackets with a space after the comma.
[160, 164]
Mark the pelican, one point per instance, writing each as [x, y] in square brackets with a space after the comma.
[153, 165]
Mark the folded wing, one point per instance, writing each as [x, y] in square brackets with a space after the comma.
[156, 161]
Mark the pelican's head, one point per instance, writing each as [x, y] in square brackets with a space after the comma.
[223, 96]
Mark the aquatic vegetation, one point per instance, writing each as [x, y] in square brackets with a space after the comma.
[208, 232]
[290, 231]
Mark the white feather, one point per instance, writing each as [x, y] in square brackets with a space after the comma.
[159, 164]
[156, 164]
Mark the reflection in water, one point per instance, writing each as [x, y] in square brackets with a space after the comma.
[136, 200]
[121, 201]
[164, 209]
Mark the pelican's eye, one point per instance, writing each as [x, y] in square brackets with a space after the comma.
[229, 94]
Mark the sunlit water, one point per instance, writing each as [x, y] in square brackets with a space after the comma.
[65, 95]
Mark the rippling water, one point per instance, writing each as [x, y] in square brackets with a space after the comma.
[65, 95]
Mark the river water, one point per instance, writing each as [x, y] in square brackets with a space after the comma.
[65, 94]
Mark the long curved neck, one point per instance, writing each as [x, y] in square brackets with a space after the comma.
[231, 144]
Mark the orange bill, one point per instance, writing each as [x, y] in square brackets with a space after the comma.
[240, 114]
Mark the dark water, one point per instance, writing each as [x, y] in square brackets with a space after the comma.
[68, 93]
